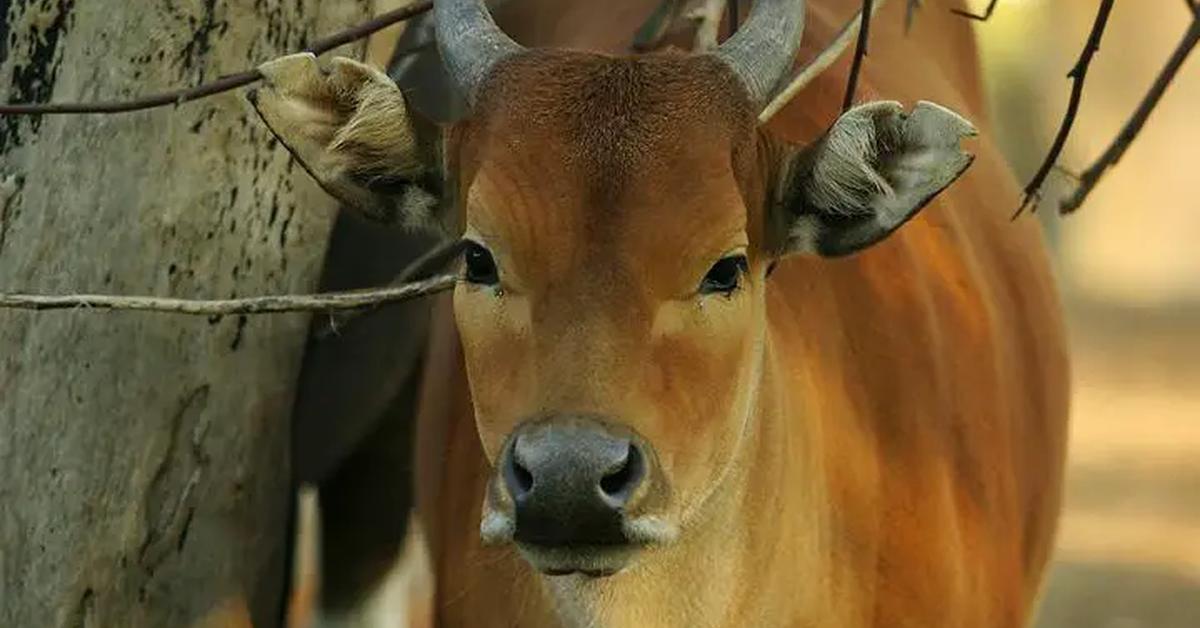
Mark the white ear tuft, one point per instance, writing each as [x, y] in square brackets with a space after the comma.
[350, 128]
[872, 171]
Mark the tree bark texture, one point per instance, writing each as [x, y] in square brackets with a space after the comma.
[144, 475]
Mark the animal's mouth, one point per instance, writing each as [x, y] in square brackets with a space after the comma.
[581, 555]
[596, 561]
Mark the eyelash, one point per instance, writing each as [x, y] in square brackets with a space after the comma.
[725, 276]
[479, 267]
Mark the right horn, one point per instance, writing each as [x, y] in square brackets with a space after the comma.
[763, 50]
[470, 42]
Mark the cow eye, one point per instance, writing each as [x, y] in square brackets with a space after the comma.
[480, 265]
[724, 276]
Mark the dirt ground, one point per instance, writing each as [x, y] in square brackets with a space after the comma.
[1129, 544]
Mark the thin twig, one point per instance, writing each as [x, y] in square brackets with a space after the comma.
[1114, 152]
[860, 51]
[432, 261]
[987, 13]
[223, 84]
[323, 302]
[817, 65]
[1077, 75]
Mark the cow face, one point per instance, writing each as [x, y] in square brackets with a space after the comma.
[621, 218]
[611, 311]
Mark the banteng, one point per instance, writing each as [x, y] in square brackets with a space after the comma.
[702, 371]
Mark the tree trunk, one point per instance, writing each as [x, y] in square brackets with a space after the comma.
[144, 473]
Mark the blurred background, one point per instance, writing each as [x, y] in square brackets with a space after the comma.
[1129, 265]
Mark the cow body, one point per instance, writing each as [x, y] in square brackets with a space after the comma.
[874, 440]
[902, 465]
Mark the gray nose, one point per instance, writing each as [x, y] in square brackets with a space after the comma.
[570, 482]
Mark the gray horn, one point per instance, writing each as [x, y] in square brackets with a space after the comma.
[470, 42]
[762, 51]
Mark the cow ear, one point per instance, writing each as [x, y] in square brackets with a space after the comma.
[875, 168]
[350, 128]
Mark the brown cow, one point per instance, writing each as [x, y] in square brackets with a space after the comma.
[705, 378]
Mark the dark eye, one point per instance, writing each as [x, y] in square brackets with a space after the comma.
[480, 266]
[724, 276]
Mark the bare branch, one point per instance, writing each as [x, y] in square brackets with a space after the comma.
[324, 302]
[432, 261]
[860, 51]
[223, 84]
[1114, 152]
[817, 65]
[987, 13]
[1077, 75]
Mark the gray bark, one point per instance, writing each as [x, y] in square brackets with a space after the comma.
[144, 457]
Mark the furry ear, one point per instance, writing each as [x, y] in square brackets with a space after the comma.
[871, 172]
[350, 128]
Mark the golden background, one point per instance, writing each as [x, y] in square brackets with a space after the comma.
[1129, 266]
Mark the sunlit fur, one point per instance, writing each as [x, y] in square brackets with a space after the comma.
[597, 312]
[870, 441]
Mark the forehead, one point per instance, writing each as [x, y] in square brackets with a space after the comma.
[602, 137]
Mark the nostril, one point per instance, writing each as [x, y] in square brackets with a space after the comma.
[518, 479]
[612, 483]
[523, 477]
[618, 486]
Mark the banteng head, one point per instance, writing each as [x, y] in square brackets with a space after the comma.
[622, 215]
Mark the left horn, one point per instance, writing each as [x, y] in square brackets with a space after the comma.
[762, 51]
[470, 42]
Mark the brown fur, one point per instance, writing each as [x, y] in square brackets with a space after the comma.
[870, 441]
